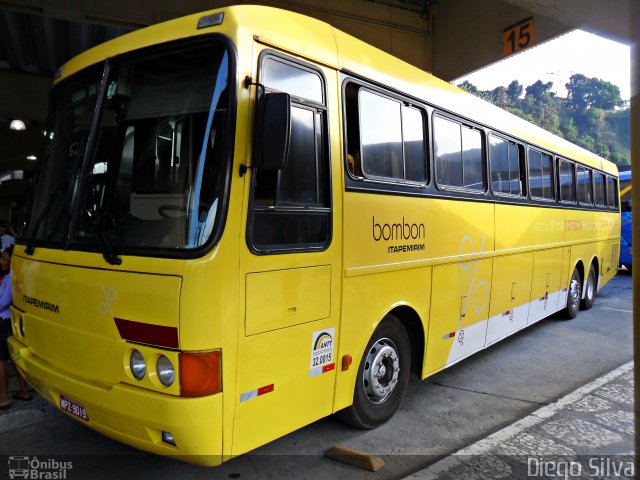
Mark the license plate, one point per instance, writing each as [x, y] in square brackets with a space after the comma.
[73, 407]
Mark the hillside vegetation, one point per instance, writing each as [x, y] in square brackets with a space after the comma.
[591, 116]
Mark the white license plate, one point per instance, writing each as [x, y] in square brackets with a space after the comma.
[73, 407]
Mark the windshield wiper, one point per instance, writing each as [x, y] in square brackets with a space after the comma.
[63, 188]
[31, 244]
[98, 223]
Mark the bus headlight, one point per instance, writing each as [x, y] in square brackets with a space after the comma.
[166, 372]
[138, 367]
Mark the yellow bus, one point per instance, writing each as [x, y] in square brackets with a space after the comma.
[246, 220]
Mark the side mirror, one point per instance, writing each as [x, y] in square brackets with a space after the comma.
[273, 131]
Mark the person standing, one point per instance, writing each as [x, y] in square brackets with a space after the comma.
[7, 236]
[5, 333]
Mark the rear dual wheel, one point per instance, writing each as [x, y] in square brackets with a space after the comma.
[575, 301]
[590, 290]
[574, 295]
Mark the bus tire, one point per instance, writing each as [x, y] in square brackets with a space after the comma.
[383, 376]
[573, 296]
[590, 290]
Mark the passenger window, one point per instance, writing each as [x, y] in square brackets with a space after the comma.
[448, 152]
[458, 154]
[505, 163]
[381, 134]
[472, 164]
[612, 192]
[585, 185]
[291, 206]
[599, 186]
[567, 181]
[413, 143]
[541, 175]
[385, 138]
[548, 182]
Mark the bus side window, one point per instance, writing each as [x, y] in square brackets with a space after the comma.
[548, 182]
[472, 159]
[585, 185]
[567, 181]
[413, 142]
[599, 185]
[459, 155]
[381, 136]
[385, 138]
[612, 192]
[541, 184]
[505, 159]
[448, 154]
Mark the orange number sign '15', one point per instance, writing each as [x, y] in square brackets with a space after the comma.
[517, 37]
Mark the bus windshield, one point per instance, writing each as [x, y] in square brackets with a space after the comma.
[136, 154]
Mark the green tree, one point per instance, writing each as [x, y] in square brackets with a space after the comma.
[585, 93]
[540, 91]
[542, 106]
[514, 91]
[605, 95]
[499, 96]
[568, 129]
[469, 87]
[578, 92]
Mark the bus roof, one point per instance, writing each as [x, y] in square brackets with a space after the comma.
[316, 40]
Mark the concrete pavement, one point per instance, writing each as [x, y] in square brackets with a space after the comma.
[588, 433]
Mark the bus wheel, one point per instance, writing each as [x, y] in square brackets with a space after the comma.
[590, 290]
[383, 376]
[573, 297]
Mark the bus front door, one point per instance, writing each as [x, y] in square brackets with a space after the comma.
[286, 365]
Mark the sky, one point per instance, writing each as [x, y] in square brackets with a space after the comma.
[556, 60]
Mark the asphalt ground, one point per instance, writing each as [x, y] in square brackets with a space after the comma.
[440, 417]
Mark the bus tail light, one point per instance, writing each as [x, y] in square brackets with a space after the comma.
[200, 374]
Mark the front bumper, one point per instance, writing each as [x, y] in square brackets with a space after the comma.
[129, 414]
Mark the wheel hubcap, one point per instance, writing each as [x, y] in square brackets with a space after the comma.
[574, 292]
[381, 370]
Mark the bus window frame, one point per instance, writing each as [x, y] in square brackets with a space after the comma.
[521, 161]
[602, 206]
[590, 171]
[559, 161]
[483, 136]
[404, 101]
[555, 192]
[616, 193]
